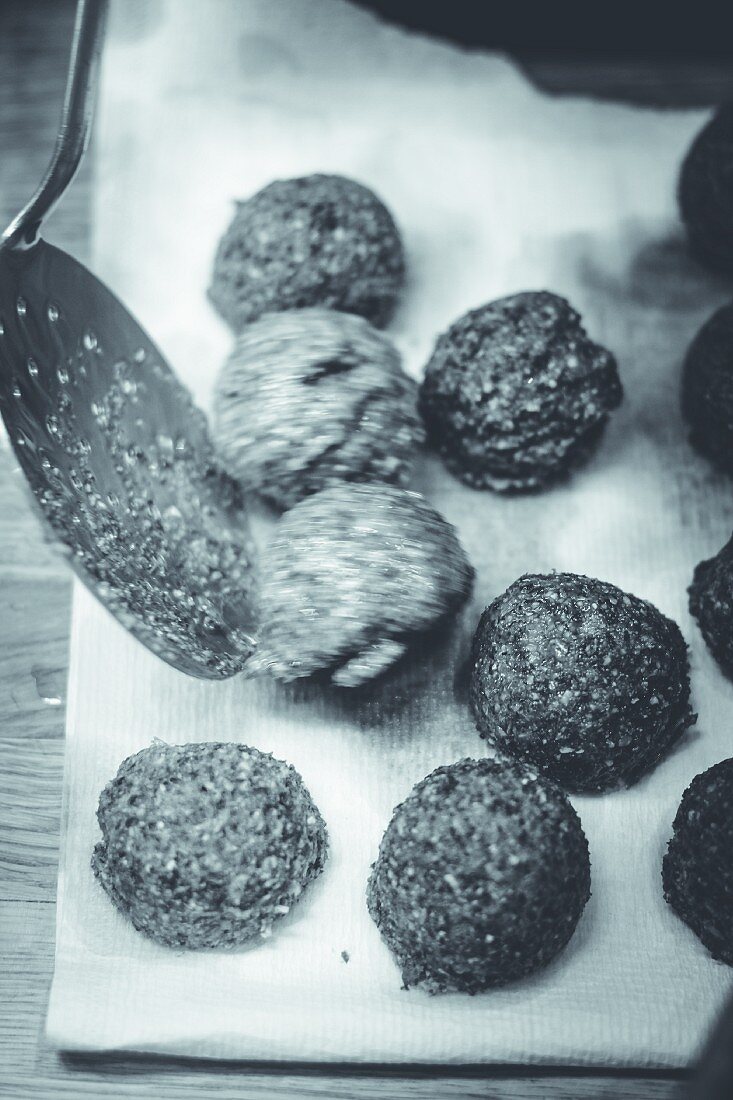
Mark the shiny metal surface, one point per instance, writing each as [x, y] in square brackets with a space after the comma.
[75, 127]
[118, 459]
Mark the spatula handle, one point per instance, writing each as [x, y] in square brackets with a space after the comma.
[76, 121]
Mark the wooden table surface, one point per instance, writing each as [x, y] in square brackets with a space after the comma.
[34, 622]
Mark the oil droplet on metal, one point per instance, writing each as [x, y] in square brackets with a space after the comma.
[16, 390]
[2, 327]
[33, 368]
[21, 307]
[156, 548]
[53, 312]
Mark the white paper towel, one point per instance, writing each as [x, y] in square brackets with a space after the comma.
[497, 189]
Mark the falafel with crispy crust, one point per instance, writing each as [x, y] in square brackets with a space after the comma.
[481, 878]
[697, 872]
[711, 603]
[312, 397]
[352, 577]
[516, 394]
[705, 192]
[582, 680]
[313, 241]
[707, 389]
[206, 845]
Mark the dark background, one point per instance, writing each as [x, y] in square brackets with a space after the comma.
[676, 54]
[675, 29]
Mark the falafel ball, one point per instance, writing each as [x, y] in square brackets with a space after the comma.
[206, 845]
[310, 397]
[315, 241]
[515, 394]
[707, 389]
[705, 192]
[697, 872]
[352, 576]
[711, 603]
[482, 875]
[580, 679]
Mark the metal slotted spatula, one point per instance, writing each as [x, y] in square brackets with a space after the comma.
[117, 456]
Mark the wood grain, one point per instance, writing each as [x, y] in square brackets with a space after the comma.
[34, 611]
[30, 810]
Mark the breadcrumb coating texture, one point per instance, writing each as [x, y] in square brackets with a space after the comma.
[711, 603]
[312, 397]
[317, 240]
[481, 878]
[584, 681]
[697, 872]
[351, 577]
[515, 394]
[206, 845]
